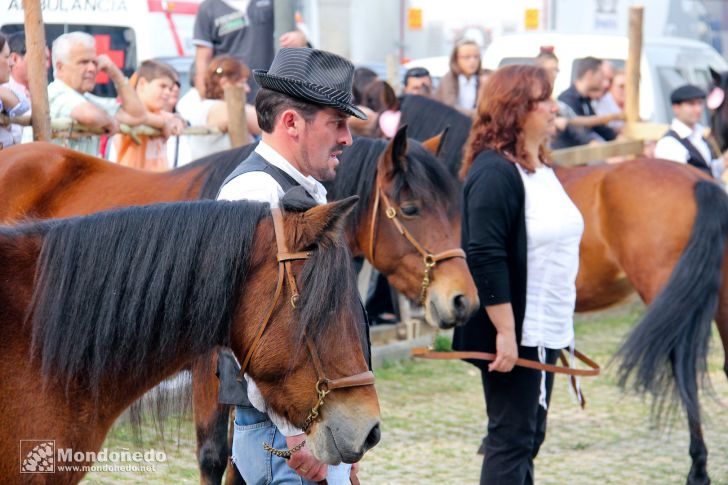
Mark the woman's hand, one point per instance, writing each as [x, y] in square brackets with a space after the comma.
[506, 352]
[505, 341]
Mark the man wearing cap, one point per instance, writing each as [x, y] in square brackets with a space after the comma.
[685, 143]
[303, 108]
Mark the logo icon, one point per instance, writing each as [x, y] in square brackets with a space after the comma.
[37, 456]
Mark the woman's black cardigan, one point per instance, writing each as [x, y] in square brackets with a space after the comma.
[494, 239]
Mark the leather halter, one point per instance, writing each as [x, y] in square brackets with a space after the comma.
[324, 385]
[429, 259]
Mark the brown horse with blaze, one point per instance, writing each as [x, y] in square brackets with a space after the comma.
[46, 181]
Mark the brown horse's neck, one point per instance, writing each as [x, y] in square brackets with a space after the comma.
[117, 393]
[18, 258]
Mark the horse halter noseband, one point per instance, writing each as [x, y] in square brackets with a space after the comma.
[429, 259]
[324, 385]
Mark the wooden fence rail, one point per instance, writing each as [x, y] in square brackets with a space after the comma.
[67, 128]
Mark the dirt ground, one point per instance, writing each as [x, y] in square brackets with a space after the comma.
[433, 420]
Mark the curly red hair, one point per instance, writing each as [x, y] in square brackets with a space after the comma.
[219, 67]
[510, 94]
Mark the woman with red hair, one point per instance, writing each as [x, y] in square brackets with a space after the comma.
[212, 111]
[516, 215]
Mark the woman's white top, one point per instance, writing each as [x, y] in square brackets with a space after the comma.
[195, 112]
[554, 227]
[201, 146]
[467, 91]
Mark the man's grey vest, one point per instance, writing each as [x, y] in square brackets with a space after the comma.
[695, 158]
[231, 391]
[256, 163]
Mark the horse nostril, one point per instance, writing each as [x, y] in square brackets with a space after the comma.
[460, 306]
[372, 438]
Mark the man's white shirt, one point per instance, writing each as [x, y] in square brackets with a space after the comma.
[669, 148]
[261, 187]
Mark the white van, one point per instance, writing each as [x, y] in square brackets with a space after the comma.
[667, 62]
[129, 31]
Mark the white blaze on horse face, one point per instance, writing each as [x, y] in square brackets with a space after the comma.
[715, 98]
[450, 301]
[348, 429]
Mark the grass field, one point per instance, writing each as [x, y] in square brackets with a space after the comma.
[433, 420]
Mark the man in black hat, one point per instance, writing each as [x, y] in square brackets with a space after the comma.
[685, 143]
[303, 108]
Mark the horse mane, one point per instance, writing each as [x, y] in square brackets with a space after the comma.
[117, 291]
[323, 293]
[424, 177]
[426, 117]
[217, 167]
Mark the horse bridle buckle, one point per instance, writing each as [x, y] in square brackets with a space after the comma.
[430, 260]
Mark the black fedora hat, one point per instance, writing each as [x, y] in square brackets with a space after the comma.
[312, 75]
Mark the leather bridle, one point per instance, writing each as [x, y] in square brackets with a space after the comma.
[324, 385]
[429, 259]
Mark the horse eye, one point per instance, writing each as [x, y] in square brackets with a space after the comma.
[409, 210]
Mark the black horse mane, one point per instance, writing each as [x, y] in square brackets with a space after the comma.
[118, 291]
[426, 117]
[424, 177]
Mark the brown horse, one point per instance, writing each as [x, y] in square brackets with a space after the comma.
[44, 181]
[658, 228]
[98, 309]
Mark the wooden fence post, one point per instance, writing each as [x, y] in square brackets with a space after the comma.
[237, 121]
[632, 71]
[37, 74]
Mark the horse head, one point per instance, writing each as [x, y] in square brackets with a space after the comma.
[309, 361]
[414, 234]
[718, 107]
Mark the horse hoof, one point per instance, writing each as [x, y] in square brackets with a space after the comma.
[698, 479]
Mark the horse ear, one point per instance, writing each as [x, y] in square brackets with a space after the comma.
[716, 76]
[324, 222]
[394, 159]
[434, 145]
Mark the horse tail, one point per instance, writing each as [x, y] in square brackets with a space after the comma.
[667, 351]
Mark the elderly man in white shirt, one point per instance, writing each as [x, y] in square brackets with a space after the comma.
[685, 143]
[305, 128]
[75, 66]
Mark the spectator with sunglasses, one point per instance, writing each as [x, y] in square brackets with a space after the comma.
[417, 80]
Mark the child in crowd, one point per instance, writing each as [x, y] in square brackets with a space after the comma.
[155, 83]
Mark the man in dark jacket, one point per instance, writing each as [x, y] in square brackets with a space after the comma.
[576, 101]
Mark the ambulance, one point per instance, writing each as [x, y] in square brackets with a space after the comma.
[128, 31]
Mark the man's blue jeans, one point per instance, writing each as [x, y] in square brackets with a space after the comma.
[261, 467]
